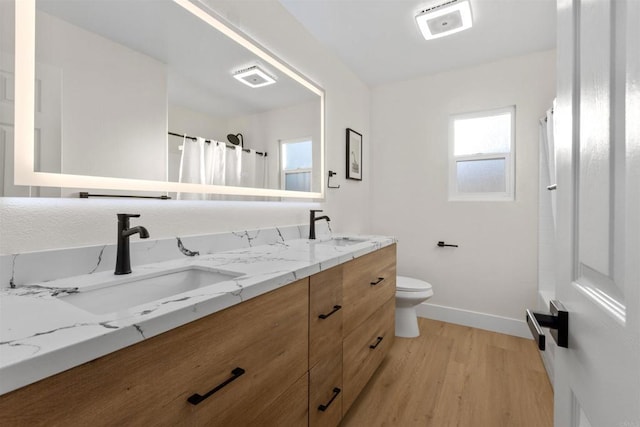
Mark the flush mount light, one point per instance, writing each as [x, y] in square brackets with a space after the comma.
[254, 77]
[444, 19]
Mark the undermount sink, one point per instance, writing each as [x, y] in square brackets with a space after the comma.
[121, 294]
[341, 241]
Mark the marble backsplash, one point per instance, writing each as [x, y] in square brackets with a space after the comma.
[23, 269]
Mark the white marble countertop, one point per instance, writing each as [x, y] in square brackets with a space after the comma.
[41, 334]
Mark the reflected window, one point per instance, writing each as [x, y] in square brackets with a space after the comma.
[296, 160]
[481, 155]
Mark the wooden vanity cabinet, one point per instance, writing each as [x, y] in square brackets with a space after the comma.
[369, 287]
[273, 360]
[368, 282]
[325, 348]
[149, 383]
[364, 350]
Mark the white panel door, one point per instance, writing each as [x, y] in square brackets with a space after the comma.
[597, 379]
[48, 128]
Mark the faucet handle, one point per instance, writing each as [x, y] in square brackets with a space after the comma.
[315, 210]
[122, 216]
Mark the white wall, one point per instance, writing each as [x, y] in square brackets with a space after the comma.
[264, 131]
[104, 96]
[37, 224]
[494, 271]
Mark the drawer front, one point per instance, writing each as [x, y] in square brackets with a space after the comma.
[290, 409]
[149, 383]
[369, 281]
[325, 314]
[364, 349]
[325, 392]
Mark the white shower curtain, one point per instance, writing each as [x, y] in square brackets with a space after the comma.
[249, 169]
[547, 143]
[192, 166]
[218, 164]
[234, 166]
[215, 165]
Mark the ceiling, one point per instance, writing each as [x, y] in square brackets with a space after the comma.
[380, 41]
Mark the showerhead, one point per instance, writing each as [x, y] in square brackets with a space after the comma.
[236, 139]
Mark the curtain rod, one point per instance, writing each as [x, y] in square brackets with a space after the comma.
[193, 138]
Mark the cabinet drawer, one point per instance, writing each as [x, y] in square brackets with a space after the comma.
[290, 409]
[364, 349]
[368, 281]
[149, 383]
[325, 388]
[325, 314]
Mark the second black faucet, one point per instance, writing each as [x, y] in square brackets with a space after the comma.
[312, 222]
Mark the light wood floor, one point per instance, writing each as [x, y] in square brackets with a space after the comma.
[457, 376]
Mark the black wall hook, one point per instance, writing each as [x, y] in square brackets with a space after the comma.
[331, 174]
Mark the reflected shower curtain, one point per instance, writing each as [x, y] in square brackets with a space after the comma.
[248, 176]
[547, 142]
[254, 170]
[234, 166]
[215, 163]
[192, 166]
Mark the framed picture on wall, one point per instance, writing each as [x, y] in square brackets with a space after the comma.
[354, 155]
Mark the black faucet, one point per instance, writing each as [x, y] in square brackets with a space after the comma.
[123, 259]
[312, 222]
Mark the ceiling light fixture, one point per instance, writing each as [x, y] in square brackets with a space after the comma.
[444, 19]
[254, 76]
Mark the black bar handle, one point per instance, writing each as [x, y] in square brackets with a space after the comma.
[335, 308]
[379, 340]
[536, 330]
[336, 392]
[552, 187]
[443, 244]
[557, 320]
[196, 398]
[380, 279]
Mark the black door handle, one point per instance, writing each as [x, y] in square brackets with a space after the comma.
[378, 341]
[196, 398]
[380, 279]
[557, 320]
[336, 392]
[335, 308]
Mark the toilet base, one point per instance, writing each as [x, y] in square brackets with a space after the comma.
[407, 322]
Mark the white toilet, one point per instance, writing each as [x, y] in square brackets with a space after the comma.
[409, 293]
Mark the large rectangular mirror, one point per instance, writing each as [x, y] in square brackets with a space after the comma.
[151, 96]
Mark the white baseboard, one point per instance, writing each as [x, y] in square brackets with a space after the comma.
[489, 322]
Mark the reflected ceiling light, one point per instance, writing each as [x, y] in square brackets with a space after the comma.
[254, 76]
[445, 18]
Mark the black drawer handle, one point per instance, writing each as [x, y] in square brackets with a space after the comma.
[336, 392]
[194, 399]
[372, 346]
[380, 279]
[335, 308]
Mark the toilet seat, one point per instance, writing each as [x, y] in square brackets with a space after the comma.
[409, 284]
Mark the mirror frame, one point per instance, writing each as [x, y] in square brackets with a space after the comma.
[24, 171]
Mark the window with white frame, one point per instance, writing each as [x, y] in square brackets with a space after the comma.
[296, 162]
[481, 155]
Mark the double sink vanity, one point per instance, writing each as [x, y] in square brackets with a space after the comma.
[268, 329]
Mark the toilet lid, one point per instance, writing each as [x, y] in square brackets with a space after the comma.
[409, 284]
